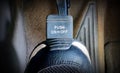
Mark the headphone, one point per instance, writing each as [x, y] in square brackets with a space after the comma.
[60, 53]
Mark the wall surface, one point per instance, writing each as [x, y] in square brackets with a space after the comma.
[112, 37]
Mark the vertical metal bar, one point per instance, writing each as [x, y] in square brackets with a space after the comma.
[62, 7]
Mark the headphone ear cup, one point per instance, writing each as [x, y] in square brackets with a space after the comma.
[72, 60]
[38, 48]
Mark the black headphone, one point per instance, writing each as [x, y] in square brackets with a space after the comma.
[70, 59]
[60, 53]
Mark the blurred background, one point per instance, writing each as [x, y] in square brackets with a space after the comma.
[23, 26]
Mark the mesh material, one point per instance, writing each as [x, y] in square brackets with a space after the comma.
[62, 69]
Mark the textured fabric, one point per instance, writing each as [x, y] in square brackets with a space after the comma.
[62, 69]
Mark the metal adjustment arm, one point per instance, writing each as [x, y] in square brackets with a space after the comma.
[63, 6]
